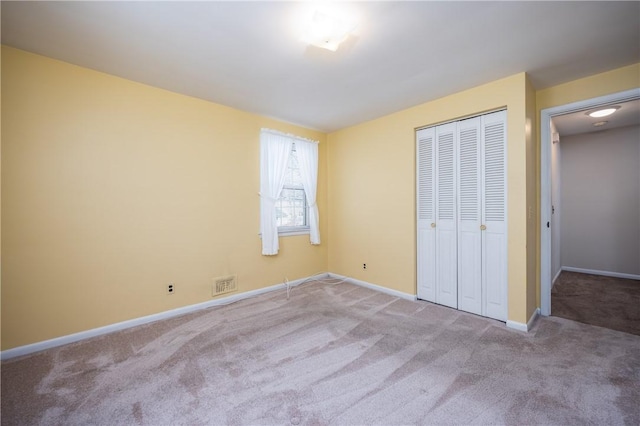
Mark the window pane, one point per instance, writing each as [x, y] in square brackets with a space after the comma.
[292, 177]
[291, 208]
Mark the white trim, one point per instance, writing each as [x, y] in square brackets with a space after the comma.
[287, 231]
[462, 117]
[603, 273]
[76, 337]
[553, 281]
[524, 327]
[375, 287]
[545, 181]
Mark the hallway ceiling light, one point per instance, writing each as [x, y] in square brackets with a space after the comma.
[603, 112]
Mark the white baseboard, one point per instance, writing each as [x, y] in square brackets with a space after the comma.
[553, 281]
[511, 324]
[379, 288]
[71, 338]
[524, 327]
[603, 273]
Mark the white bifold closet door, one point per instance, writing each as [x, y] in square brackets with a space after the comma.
[461, 198]
[426, 244]
[445, 250]
[469, 217]
[494, 215]
[437, 252]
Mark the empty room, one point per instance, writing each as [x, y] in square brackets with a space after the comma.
[319, 213]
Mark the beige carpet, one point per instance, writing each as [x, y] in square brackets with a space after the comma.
[332, 354]
[597, 300]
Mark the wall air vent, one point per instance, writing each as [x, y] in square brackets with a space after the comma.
[224, 285]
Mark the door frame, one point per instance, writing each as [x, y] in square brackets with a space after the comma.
[545, 180]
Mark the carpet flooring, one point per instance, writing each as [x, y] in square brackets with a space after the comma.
[597, 300]
[336, 354]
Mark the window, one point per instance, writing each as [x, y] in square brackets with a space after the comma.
[291, 207]
[288, 186]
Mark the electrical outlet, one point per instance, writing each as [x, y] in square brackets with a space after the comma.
[171, 288]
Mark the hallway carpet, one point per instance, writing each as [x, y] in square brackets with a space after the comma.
[334, 353]
[608, 302]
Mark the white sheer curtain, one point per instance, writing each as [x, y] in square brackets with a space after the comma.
[274, 156]
[307, 152]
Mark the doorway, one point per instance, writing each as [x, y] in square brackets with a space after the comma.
[545, 181]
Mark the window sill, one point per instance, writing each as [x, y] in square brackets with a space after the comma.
[289, 231]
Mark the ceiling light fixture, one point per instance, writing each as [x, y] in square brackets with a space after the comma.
[603, 112]
[327, 32]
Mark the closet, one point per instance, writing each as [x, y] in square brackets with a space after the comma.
[461, 215]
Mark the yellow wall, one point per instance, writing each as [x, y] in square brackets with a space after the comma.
[614, 81]
[606, 83]
[372, 182]
[112, 189]
[372, 186]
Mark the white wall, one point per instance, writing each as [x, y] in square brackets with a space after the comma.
[556, 225]
[600, 186]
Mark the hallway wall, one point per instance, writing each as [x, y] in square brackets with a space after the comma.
[601, 201]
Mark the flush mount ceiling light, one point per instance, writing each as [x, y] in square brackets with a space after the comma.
[326, 31]
[603, 112]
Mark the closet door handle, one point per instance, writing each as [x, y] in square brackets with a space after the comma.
[433, 225]
[483, 227]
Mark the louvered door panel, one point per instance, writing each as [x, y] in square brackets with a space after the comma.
[494, 241]
[426, 243]
[446, 244]
[469, 215]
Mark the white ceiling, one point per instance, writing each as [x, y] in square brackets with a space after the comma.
[248, 55]
[579, 122]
